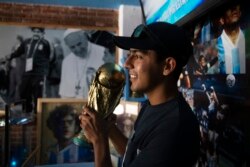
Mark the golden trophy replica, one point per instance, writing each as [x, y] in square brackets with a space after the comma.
[104, 94]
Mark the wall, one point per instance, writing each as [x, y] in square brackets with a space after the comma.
[111, 4]
[132, 15]
[21, 138]
[58, 16]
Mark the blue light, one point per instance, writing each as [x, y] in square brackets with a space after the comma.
[13, 163]
[173, 10]
[23, 120]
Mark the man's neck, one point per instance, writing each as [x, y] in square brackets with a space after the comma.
[232, 33]
[162, 94]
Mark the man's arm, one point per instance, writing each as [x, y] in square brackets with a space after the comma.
[101, 147]
[118, 139]
[102, 153]
[215, 96]
[96, 131]
[18, 52]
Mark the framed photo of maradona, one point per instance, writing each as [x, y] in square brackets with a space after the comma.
[57, 123]
[66, 60]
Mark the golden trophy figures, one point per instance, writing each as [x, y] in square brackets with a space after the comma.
[104, 94]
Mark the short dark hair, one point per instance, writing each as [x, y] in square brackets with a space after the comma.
[41, 29]
[58, 113]
[230, 4]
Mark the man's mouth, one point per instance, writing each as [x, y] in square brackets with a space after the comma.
[132, 76]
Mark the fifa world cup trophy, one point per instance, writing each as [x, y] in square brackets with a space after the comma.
[104, 94]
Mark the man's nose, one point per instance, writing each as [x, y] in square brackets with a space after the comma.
[128, 63]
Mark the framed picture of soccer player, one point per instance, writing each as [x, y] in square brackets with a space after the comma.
[58, 122]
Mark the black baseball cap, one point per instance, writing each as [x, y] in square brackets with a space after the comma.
[159, 36]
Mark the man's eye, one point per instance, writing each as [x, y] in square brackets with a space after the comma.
[138, 56]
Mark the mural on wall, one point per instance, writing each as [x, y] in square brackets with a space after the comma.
[42, 62]
[214, 83]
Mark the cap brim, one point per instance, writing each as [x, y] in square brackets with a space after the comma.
[135, 43]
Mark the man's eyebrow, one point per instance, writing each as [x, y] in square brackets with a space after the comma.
[135, 51]
[132, 51]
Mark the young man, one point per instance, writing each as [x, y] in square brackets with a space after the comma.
[166, 132]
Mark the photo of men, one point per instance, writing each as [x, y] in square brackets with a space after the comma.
[50, 62]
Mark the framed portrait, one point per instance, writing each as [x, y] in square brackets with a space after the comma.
[58, 122]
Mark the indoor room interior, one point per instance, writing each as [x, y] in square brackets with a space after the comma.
[36, 94]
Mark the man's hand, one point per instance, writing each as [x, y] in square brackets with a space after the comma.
[96, 131]
[95, 127]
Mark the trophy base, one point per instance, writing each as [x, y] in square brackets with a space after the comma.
[81, 142]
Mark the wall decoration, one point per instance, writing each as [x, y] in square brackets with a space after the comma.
[50, 62]
[58, 122]
[218, 75]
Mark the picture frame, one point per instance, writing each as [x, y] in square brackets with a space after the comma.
[54, 84]
[46, 136]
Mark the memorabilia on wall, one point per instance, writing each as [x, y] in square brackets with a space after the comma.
[217, 88]
[43, 62]
[57, 124]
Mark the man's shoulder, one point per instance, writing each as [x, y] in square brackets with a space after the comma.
[45, 41]
[69, 57]
[28, 40]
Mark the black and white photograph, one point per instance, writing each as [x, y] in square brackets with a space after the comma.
[44, 62]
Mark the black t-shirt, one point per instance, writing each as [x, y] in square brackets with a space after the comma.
[39, 50]
[165, 135]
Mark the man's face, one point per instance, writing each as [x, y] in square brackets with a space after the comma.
[232, 15]
[203, 62]
[144, 71]
[67, 127]
[37, 34]
[77, 43]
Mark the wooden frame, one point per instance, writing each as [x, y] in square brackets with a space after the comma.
[45, 136]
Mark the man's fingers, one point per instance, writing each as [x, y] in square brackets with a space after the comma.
[88, 111]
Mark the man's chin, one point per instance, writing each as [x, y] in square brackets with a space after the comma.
[68, 136]
[132, 89]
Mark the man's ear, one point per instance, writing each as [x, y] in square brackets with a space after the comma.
[221, 21]
[169, 66]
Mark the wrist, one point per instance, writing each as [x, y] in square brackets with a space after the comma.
[100, 139]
